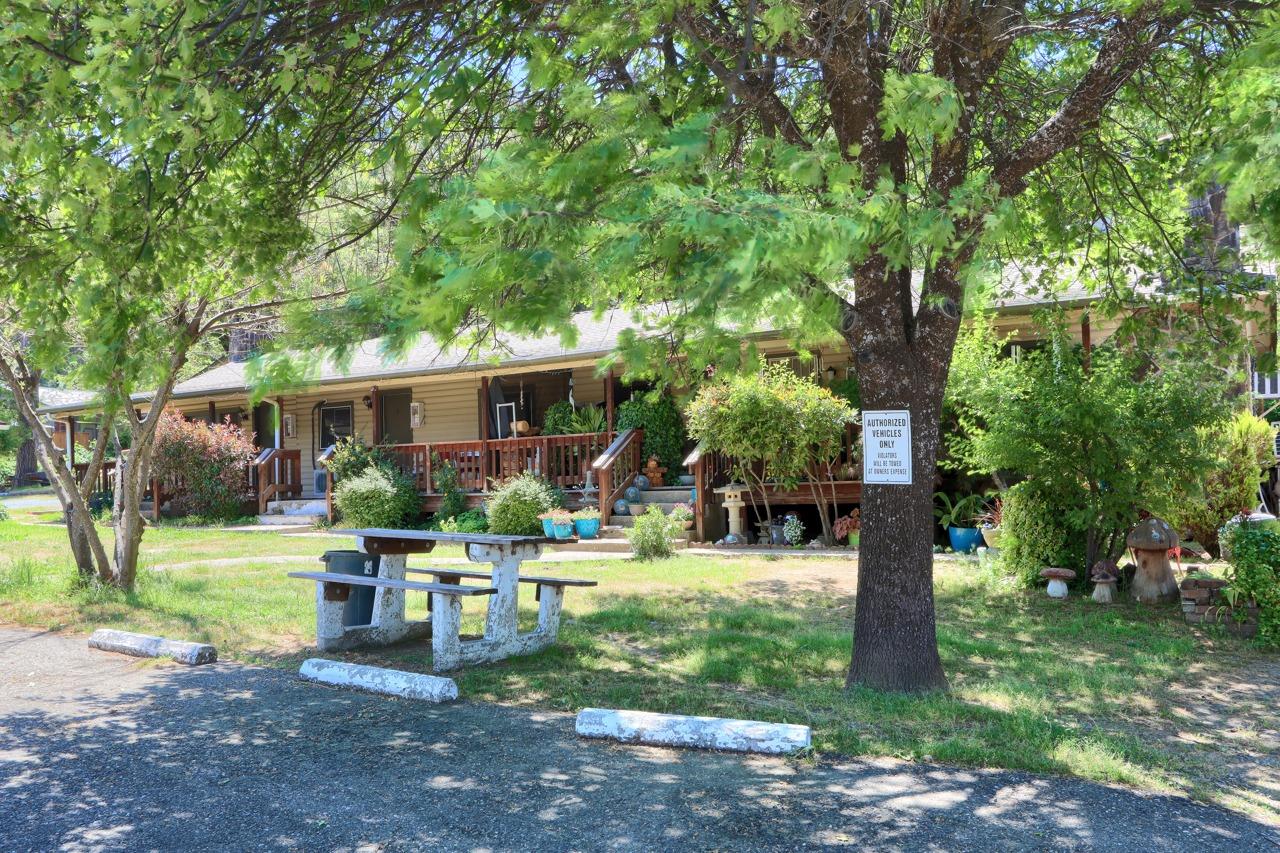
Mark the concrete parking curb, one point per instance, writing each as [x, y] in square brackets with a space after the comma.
[373, 679]
[698, 732]
[147, 646]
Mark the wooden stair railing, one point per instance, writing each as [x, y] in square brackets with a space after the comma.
[617, 467]
[279, 473]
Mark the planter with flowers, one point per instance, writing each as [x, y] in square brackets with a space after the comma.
[586, 522]
[561, 524]
[989, 522]
[683, 514]
[849, 528]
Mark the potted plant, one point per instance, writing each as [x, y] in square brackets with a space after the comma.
[548, 524]
[682, 513]
[960, 520]
[849, 527]
[561, 524]
[586, 522]
[989, 522]
[793, 530]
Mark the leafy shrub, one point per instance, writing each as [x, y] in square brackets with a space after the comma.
[664, 431]
[651, 535]
[376, 498]
[469, 521]
[514, 508]
[4, 513]
[1034, 536]
[444, 476]
[1255, 573]
[1101, 444]
[351, 458]
[558, 419]
[1240, 449]
[209, 463]
[8, 466]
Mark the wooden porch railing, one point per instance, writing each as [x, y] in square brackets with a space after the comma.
[278, 472]
[565, 460]
[105, 475]
[617, 467]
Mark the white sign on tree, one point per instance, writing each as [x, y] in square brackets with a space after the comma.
[886, 447]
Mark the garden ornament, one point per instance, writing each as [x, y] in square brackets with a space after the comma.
[1057, 581]
[1105, 575]
[1153, 580]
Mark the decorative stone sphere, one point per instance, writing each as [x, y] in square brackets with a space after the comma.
[621, 507]
[632, 494]
[641, 482]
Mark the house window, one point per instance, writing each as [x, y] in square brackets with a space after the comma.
[336, 422]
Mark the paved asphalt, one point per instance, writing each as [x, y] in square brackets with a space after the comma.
[104, 752]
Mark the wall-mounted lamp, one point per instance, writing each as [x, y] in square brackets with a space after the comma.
[367, 400]
[831, 375]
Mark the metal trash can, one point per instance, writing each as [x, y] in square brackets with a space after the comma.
[359, 607]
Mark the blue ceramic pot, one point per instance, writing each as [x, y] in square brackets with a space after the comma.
[964, 540]
[563, 531]
[547, 528]
[642, 482]
[588, 528]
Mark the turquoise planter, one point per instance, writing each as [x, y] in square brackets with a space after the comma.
[964, 540]
[548, 529]
[588, 528]
[563, 531]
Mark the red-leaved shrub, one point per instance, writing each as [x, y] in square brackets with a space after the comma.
[206, 468]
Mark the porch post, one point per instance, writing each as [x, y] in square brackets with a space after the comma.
[484, 433]
[213, 413]
[1086, 341]
[375, 397]
[71, 443]
[608, 402]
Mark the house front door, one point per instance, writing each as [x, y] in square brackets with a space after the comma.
[396, 427]
[264, 425]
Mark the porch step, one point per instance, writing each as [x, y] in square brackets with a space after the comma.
[666, 494]
[291, 520]
[297, 507]
[608, 545]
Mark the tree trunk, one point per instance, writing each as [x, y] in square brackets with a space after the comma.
[895, 637]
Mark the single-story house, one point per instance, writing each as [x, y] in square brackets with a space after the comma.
[482, 410]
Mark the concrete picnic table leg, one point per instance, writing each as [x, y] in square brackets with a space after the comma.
[500, 621]
[388, 604]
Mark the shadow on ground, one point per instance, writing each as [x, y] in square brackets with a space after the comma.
[103, 752]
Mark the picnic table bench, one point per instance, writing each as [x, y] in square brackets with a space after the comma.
[449, 651]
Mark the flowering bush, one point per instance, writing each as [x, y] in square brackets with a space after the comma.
[793, 530]
[206, 466]
[682, 512]
[587, 513]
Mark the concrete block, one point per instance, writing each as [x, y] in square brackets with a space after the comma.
[374, 679]
[147, 646]
[698, 732]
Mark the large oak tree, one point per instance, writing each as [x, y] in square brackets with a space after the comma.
[850, 168]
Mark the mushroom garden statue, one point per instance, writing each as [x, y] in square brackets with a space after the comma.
[1105, 575]
[1153, 581]
[1058, 581]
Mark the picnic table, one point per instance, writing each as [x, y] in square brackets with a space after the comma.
[501, 638]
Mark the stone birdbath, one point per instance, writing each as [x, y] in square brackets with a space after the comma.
[1153, 579]
[1058, 581]
[1105, 574]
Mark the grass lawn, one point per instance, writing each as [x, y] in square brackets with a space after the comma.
[1106, 693]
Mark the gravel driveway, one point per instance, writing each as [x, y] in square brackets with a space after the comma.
[103, 752]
